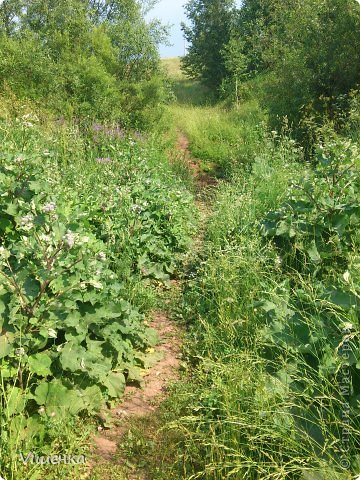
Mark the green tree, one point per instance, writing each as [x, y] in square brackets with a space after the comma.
[314, 57]
[207, 34]
[81, 57]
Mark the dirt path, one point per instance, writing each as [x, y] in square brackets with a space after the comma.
[139, 402]
[144, 401]
[202, 179]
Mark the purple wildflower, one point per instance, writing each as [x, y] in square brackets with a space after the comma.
[139, 136]
[97, 127]
[116, 132]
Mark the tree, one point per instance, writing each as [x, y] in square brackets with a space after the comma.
[87, 57]
[207, 34]
[314, 56]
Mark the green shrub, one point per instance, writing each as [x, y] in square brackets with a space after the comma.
[81, 236]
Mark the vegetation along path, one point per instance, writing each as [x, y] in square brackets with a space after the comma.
[243, 405]
[142, 402]
[179, 247]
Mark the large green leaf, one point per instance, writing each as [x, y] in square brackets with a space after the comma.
[313, 253]
[6, 344]
[115, 384]
[31, 287]
[40, 364]
[57, 399]
[15, 401]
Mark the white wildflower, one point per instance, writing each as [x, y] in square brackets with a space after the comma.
[26, 221]
[4, 253]
[102, 256]
[346, 276]
[49, 207]
[136, 208]
[69, 238]
[52, 333]
[278, 261]
[45, 238]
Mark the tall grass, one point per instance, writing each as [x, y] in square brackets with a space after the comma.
[248, 408]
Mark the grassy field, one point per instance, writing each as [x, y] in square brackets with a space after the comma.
[258, 399]
[99, 220]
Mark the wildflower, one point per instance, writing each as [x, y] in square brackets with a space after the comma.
[45, 238]
[69, 238]
[26, 221]
[4, 253]
[139, 136]
[20, 351]
[278, 261]
[102, 256]
[136, 208]
[52, 333]
[49, 207]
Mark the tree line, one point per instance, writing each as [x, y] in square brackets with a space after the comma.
[95, 58]
[306, 53]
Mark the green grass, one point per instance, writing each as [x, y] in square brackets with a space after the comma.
[237, 413]
[223, 139]
[258, 399]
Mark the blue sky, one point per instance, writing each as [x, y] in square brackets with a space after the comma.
[171, 12]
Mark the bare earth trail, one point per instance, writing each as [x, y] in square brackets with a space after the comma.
[140, 402]
[202, 179]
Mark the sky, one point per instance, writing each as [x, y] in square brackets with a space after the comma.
[171, 12]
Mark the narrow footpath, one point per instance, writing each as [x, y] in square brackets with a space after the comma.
[139, 402]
